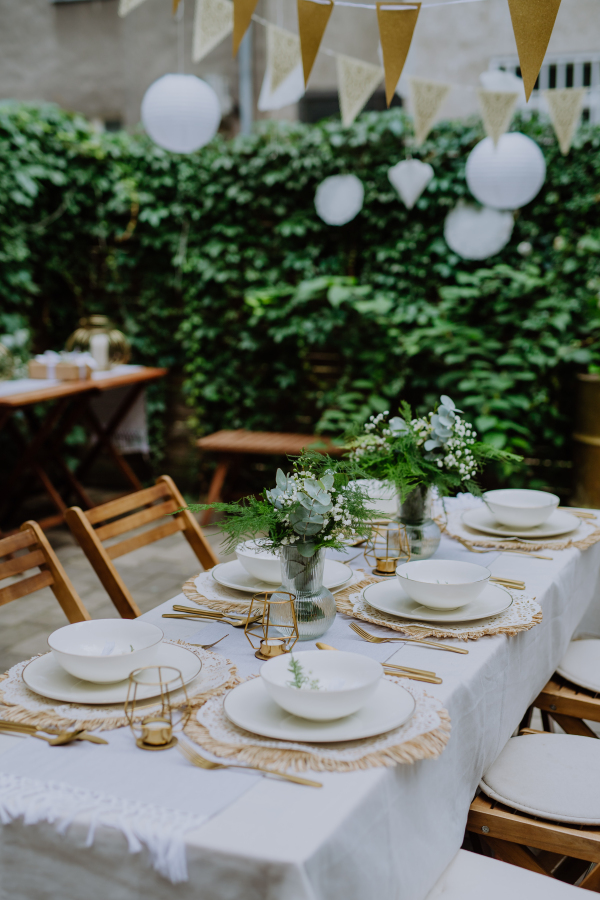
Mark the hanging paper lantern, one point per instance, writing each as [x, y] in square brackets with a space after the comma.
[339, 199]
[181, 113]
[508, 175]
[410, 178]
[477, 233]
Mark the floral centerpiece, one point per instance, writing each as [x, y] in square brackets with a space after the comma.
[439, 450]
[316, 507]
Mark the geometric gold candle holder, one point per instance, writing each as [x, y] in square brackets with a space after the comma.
[155, 731]
[276, 629]
[386, 548]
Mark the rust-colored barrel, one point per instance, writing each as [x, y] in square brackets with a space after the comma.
[586, 442]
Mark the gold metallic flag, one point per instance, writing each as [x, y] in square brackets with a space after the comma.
[565, 108]
[242, 16]
[426, 97]
[497, 108]
[213, 21]
[356, 82]
[396, 26]
[313, 16]
[532, 21]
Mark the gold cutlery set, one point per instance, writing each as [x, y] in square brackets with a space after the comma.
[58, 739]
[236, 620]
[194, 757]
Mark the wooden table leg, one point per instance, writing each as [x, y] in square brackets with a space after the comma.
[104, 436]
[216, 485]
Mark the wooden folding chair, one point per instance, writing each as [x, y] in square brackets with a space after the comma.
[568, 705]
[117, 517]
[40, 555]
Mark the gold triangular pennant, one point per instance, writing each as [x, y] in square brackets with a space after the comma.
[565, 108]
[426, 98]
[356, 82]
[313, 16]
[283, 54]
[532, 21]
[242, 16]
[176, 5]
[497, 108]
[396, 26]
[213, 21]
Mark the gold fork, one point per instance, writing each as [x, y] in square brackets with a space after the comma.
[203, 763]
[398, 671]
[196, 617]
[367, 636]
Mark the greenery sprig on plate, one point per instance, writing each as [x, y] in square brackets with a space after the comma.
[317, 505]
[437, 450]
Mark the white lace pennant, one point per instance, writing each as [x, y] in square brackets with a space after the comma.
[213, 21]
[356, 82]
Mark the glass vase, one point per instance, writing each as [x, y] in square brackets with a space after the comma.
[315, 605]
[415, 513]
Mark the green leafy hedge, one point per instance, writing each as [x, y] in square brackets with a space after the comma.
[218, 264]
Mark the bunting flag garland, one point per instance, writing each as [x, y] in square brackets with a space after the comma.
[243, 11]
[565, 108]
[396, 27]
[497, 108]
[426, 99]
[313, 16]
[532, 21]
[356, 82]
[213, 20]
[125, 6]
[283, 54]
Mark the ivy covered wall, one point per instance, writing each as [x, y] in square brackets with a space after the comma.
[216, 264]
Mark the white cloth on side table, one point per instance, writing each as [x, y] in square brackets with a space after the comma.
[375, 833]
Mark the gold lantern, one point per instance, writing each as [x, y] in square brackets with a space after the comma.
[386, 548]
[156, 731]
[276, 627]
[119, 347]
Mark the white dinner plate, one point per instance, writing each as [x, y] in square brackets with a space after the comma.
[481, 519]
[249, 707]
[233, 575]
[46, 677]
[389, 597]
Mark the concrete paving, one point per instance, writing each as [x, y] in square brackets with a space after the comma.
[153, 574]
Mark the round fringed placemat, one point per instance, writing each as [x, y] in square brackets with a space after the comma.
[424, 736]
[525, 613]
[19, 704]
[451, 524]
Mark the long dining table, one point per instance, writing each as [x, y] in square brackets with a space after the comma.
[375, 833]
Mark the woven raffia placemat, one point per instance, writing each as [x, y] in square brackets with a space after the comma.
[424, 736]
[524, 614]
[19, 704]
[451, 524]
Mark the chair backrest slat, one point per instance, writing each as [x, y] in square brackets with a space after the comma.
[21, 564]
[147, 537]
[17, 541]
[135, 520]
[126, 504]
[27, 586]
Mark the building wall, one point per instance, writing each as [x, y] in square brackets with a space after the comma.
[84, 57]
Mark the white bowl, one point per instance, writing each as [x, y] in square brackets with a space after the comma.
[346, 681]
[258, 561]
[442, 583]
[382, 495]
[105, 650]
[521, 508]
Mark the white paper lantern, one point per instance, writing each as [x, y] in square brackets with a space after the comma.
[477, 233]
[339, 199]
[410, 178]
[181, 113]
[506, 176]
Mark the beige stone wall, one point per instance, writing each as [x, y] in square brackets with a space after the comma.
[84, 57]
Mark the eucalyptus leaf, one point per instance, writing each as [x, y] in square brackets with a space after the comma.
[397, 425]
[305, 548]
[431, 444]
[327, 481]
[294, 566]
[306, 528]
[281, 480]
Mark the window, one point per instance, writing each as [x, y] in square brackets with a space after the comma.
[572, 70]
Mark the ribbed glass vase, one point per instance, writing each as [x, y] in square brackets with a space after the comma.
[415, 513]
[315, 605]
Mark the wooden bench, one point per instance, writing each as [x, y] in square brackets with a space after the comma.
[231, 444]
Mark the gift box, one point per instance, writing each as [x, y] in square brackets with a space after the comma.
[62, 366]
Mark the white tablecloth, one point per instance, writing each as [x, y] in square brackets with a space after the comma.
[382, 833]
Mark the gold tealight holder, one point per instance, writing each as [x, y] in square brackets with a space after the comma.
[387, 547]
[155, 731]
[277, 626]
